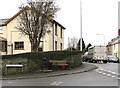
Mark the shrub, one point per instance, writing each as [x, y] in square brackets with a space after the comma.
[33, 60]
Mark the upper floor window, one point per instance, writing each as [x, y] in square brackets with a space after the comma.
[56, 29]
[19, 45]
[61, 32]
[1, 31]
[114, 46]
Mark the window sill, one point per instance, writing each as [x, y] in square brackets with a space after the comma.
[19, 49]
[3, 51]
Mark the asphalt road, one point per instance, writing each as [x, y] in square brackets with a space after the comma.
[105, 75]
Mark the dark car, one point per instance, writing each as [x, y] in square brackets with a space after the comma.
[113, 59]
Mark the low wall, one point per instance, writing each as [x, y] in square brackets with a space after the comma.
[33, 61]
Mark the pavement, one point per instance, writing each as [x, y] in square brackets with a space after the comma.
[85, 67]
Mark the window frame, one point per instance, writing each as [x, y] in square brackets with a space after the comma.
[19, 45]
[55, 45]
[61, 46]
[3, 45]
[1, 30]
[61, 32]
[56, 30]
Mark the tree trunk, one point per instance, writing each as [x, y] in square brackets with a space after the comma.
[34, 47]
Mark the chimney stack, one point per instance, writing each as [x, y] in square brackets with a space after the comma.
[118, 32]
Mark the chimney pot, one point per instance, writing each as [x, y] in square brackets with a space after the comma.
[118, 32]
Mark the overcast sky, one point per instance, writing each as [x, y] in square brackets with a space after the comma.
[98, 16]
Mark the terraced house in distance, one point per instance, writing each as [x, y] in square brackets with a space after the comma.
[12, 41]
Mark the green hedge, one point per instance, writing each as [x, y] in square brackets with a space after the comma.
[33, 60]
[40, 55]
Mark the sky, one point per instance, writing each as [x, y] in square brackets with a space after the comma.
[98, 17]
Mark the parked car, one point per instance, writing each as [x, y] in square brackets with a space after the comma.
[87, 56]
[111, 58]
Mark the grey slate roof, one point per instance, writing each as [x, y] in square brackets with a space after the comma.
[114, 41]
[2, 21]
[2, 38]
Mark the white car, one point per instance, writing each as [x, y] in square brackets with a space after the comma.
[111, 58]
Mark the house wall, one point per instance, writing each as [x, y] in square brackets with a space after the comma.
[119, 50]
[1, 31]
[48, 41]
[59, 39]
[109, 50]
[114, 50]
[14, 35]
[50, 38]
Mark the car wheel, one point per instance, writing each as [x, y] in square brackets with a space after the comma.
[105, 61]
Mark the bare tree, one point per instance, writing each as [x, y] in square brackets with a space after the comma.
[35, 19]
[72, 43]
[69, 44]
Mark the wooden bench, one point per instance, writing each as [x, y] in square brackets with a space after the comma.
[59, 63]
[13, 66]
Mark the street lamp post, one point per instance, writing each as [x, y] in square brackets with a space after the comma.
[81, 25]
[103, 37]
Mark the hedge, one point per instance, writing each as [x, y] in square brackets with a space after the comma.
[33, 60]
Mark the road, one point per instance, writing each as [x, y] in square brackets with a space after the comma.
[105, 75]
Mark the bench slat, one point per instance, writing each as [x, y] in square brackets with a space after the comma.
[14, 65]
[58, 62]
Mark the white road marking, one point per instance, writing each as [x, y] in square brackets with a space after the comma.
[113, 73]
[101, 69]
[113, 76]
[9, 82]
[104, 73]
[117, 77]
[100, 72]
[55, 83]
[108, 73]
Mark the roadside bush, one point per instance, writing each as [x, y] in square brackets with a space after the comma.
[33, 60]
[74, 60]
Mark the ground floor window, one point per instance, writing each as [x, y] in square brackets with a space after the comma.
[19, 45]
[40, 48]
[61, 46]
[55, 45]
[115, 54]
[3, 46]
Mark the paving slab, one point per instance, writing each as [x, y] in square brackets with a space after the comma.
[85, 67]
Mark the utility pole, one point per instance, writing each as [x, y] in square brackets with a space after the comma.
[81, 25]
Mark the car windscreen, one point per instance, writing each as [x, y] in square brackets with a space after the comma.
[112, 57]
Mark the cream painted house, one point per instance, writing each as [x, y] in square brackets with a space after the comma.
[113, 47]
[12, 41]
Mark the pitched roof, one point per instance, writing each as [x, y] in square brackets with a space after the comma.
[6, 21]
[17, 14]
[59, 24]
[2, 21]
[114, 41]
[2, 39]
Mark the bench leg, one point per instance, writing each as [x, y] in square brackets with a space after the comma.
[6, 71]
[22, 69]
